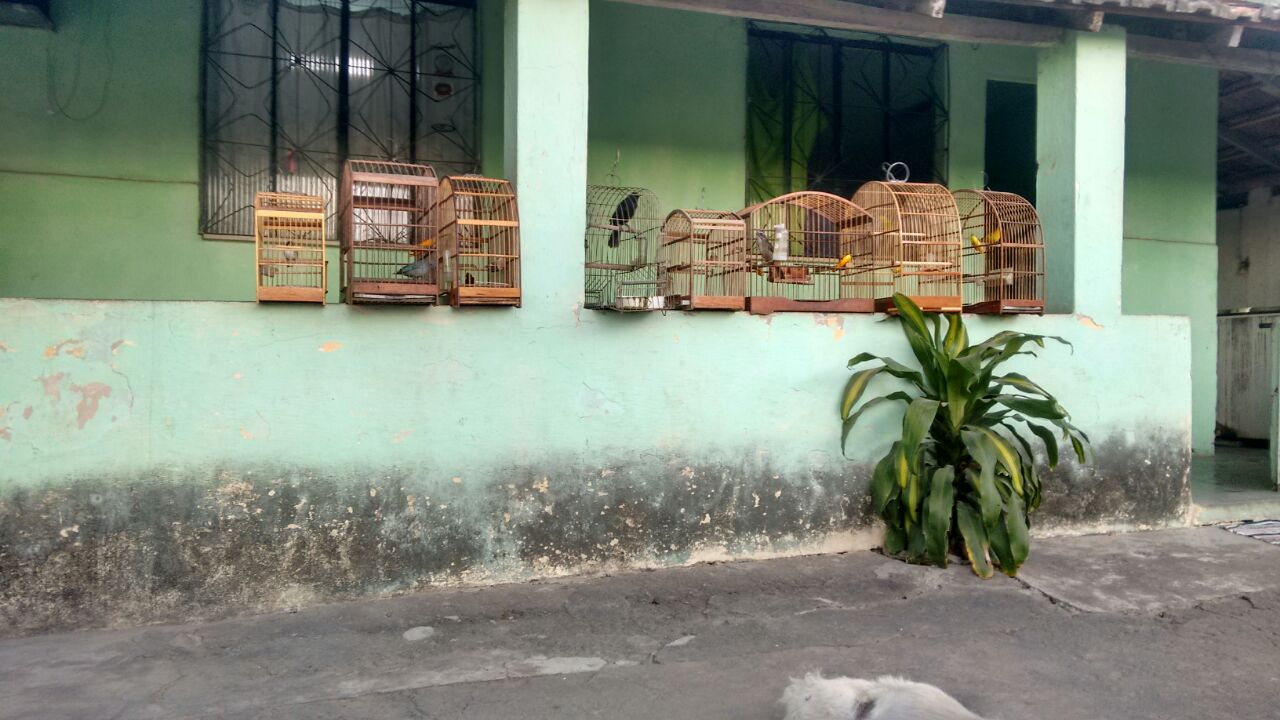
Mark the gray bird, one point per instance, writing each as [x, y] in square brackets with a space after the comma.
[290, 254]
[621, 216]
[764, 245]
[423, 267]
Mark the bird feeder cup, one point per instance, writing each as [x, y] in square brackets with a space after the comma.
[1004, 267]
[913, 246]
[479, 241]
[389, 241]
[800, 248]
[621, 247]
[288, 233]
[702, 261]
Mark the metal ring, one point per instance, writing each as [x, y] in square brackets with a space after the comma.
[891, 176]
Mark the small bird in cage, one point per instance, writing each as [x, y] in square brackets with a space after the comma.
[290, 254]
[981, 245]
[844, 261]
[764, 245]
[622, 215]
[423, 267]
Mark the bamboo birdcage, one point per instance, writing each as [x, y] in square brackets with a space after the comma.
[620, 243]
[288, 232]
[1003, 254]
[389, 233]
[702, 261]
[479, 241]
[914, 245]
[800, 248]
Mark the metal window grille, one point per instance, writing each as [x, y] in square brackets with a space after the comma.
[294, 88]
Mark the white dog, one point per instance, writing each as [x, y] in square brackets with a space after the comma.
[888, 698]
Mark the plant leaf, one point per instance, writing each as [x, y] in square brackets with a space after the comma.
[998, 536]
[1015, 522]
[849, 422]
[988, 494]
[1021, 382]
[915, 426]
[937, 514]
[883, 488]
[958, 398]
[957, 339]
[895, 540]
[854, 388]
[1050, 443]
[913, 497]
[1035, 407]
[976, 544]
[1008, 457]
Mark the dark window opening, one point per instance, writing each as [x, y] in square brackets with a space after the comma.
[1010, 154]
[827, 113]
[292, 89]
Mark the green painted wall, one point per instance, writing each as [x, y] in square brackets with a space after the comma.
[668, 102]
[162, 459]
[1170, 253]
[971, 67]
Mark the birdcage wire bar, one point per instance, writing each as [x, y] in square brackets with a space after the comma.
[289, 237]
[702, 261]
[389, 245]
[913, 247]
[479, 241]
[621, 243]
[1004, 261]
[797, 244]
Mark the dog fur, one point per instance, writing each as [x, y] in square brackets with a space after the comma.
[814, 697]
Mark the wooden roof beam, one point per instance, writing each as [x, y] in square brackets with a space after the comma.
[838, 15]
[1248, 60]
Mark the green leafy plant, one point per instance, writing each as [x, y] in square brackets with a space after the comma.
[964, 460]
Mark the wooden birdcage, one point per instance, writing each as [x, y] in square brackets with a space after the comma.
[702, 261]
[479, 241]
[800, 248]
[621, 242]
[913, 247]
[388, 240]
[1003, 253]
[288, 233]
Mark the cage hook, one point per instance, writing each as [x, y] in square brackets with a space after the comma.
[986, 180]
[891, 172]
[612, 177]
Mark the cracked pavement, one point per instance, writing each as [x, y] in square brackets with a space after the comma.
[1170, 624]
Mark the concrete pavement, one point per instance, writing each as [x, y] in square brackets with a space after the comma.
[1171, 624]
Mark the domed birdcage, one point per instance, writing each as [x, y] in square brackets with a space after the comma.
[913, 246]
[479, 241]
[702, 261]
[800, 254]
[621, 244]
[1004, 267]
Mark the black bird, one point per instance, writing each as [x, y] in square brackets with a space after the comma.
[621, 216]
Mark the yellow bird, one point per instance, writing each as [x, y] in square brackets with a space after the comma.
[427, 243]
[980, 245]
[844, 261]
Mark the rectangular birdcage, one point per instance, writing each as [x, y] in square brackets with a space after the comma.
[913, 246]
[620, 244]
[389, 233]
[289, 241]
[702, 261]
[801, 254]
[479, 241]
[1004, 271]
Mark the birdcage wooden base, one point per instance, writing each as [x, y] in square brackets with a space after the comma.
[483, 296]
[1006, 307]
[927, 303]
[706, 302]
[291, 294]
[790, 274]
[770, 305]
[400, 293]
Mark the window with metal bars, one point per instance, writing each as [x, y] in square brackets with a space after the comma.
[293, 88]
[826, 111]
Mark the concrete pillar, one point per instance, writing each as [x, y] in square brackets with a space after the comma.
[545, 133]
[1080, 106]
